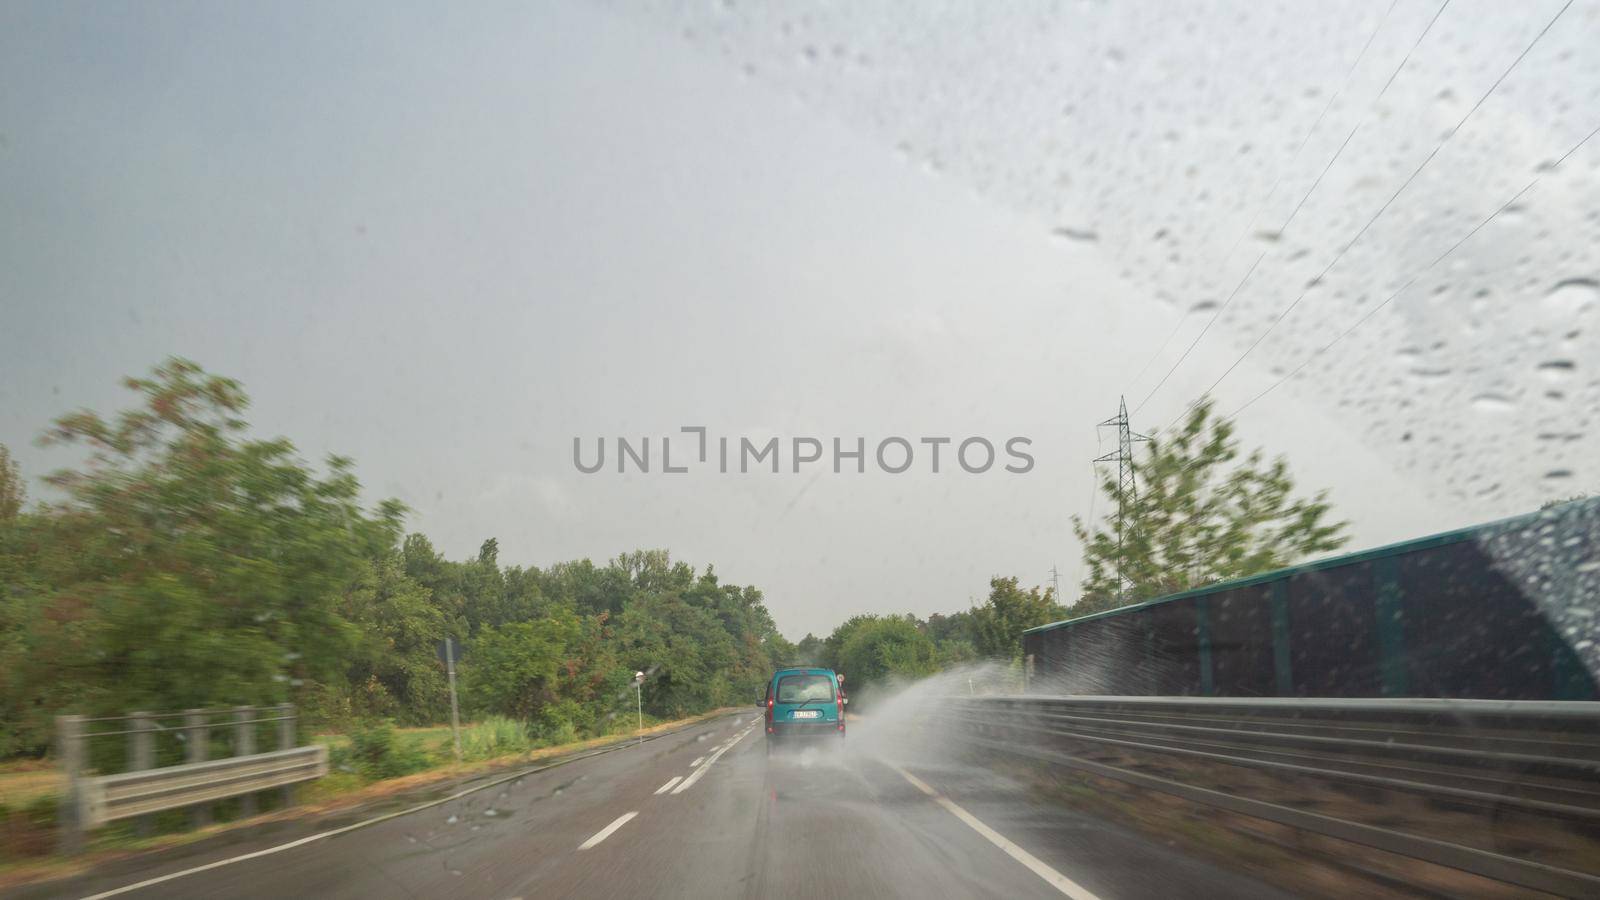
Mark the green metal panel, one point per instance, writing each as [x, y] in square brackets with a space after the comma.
[1280, 638]
[1376, 553]
[1570, 677]
[1203, 628]
[1391, 630]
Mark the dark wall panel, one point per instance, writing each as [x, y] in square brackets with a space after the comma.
[1241, 642]
[1333, 633]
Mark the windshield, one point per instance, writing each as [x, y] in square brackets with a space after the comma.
[802, 688]
[718, 448]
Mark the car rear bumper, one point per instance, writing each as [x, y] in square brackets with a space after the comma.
[802, 730]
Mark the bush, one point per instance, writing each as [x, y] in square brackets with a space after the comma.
[559, 733]
[495, 736]
[561, 723]
[377, 754]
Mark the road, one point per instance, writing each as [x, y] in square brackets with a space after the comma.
[703, 813]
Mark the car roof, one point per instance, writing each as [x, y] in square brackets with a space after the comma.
[802, 670]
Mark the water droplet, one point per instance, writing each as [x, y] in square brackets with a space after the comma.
[1557, 369]
[1492, 403]
[1573, 296]
[1075, 234]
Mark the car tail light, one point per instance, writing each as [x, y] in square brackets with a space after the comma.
[769, 703]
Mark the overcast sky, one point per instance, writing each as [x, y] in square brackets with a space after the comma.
[447, 242]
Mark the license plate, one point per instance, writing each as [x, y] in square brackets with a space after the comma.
[805, 714]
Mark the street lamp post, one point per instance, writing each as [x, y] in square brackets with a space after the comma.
[638, 697]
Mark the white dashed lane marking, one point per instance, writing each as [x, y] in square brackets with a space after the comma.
[668, 786]
[607, 831]
[702, 770]
[697, 761]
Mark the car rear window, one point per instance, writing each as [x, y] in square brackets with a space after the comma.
[800, 688]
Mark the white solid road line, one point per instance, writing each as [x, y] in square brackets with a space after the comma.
[695, 776]
[607, 831]
[668, 786]
[1057, 880]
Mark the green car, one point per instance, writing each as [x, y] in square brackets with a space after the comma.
[804, 703]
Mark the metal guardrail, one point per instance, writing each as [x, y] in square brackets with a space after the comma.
[145, 787]
[1436, 780]
[107, 798]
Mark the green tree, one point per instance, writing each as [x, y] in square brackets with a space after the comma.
[996, 626]
[28, 646]
[12, 490]
[872, 649]
[1204, 512]
[689, 656]
[394, 671]
[808, 652]
[514, 669]
[188, 565]
[483, 589]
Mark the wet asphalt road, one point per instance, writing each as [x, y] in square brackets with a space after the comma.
[712, 815]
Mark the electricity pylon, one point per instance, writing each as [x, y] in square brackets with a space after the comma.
[1127, 488]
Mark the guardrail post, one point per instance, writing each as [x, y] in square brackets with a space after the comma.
[286, 742]
[141, 756]
[244, 744]
[69, 747]
[198, 736]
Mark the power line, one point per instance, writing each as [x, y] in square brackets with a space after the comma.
[1409, 282]
[1094, 490]
[1170, 335]
[1304, 139]
[1405, 184]
[1346, 83]
[1375, 101]
[1402, 65]
[1209, 322]
[1309, 191]
[1415, 278]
